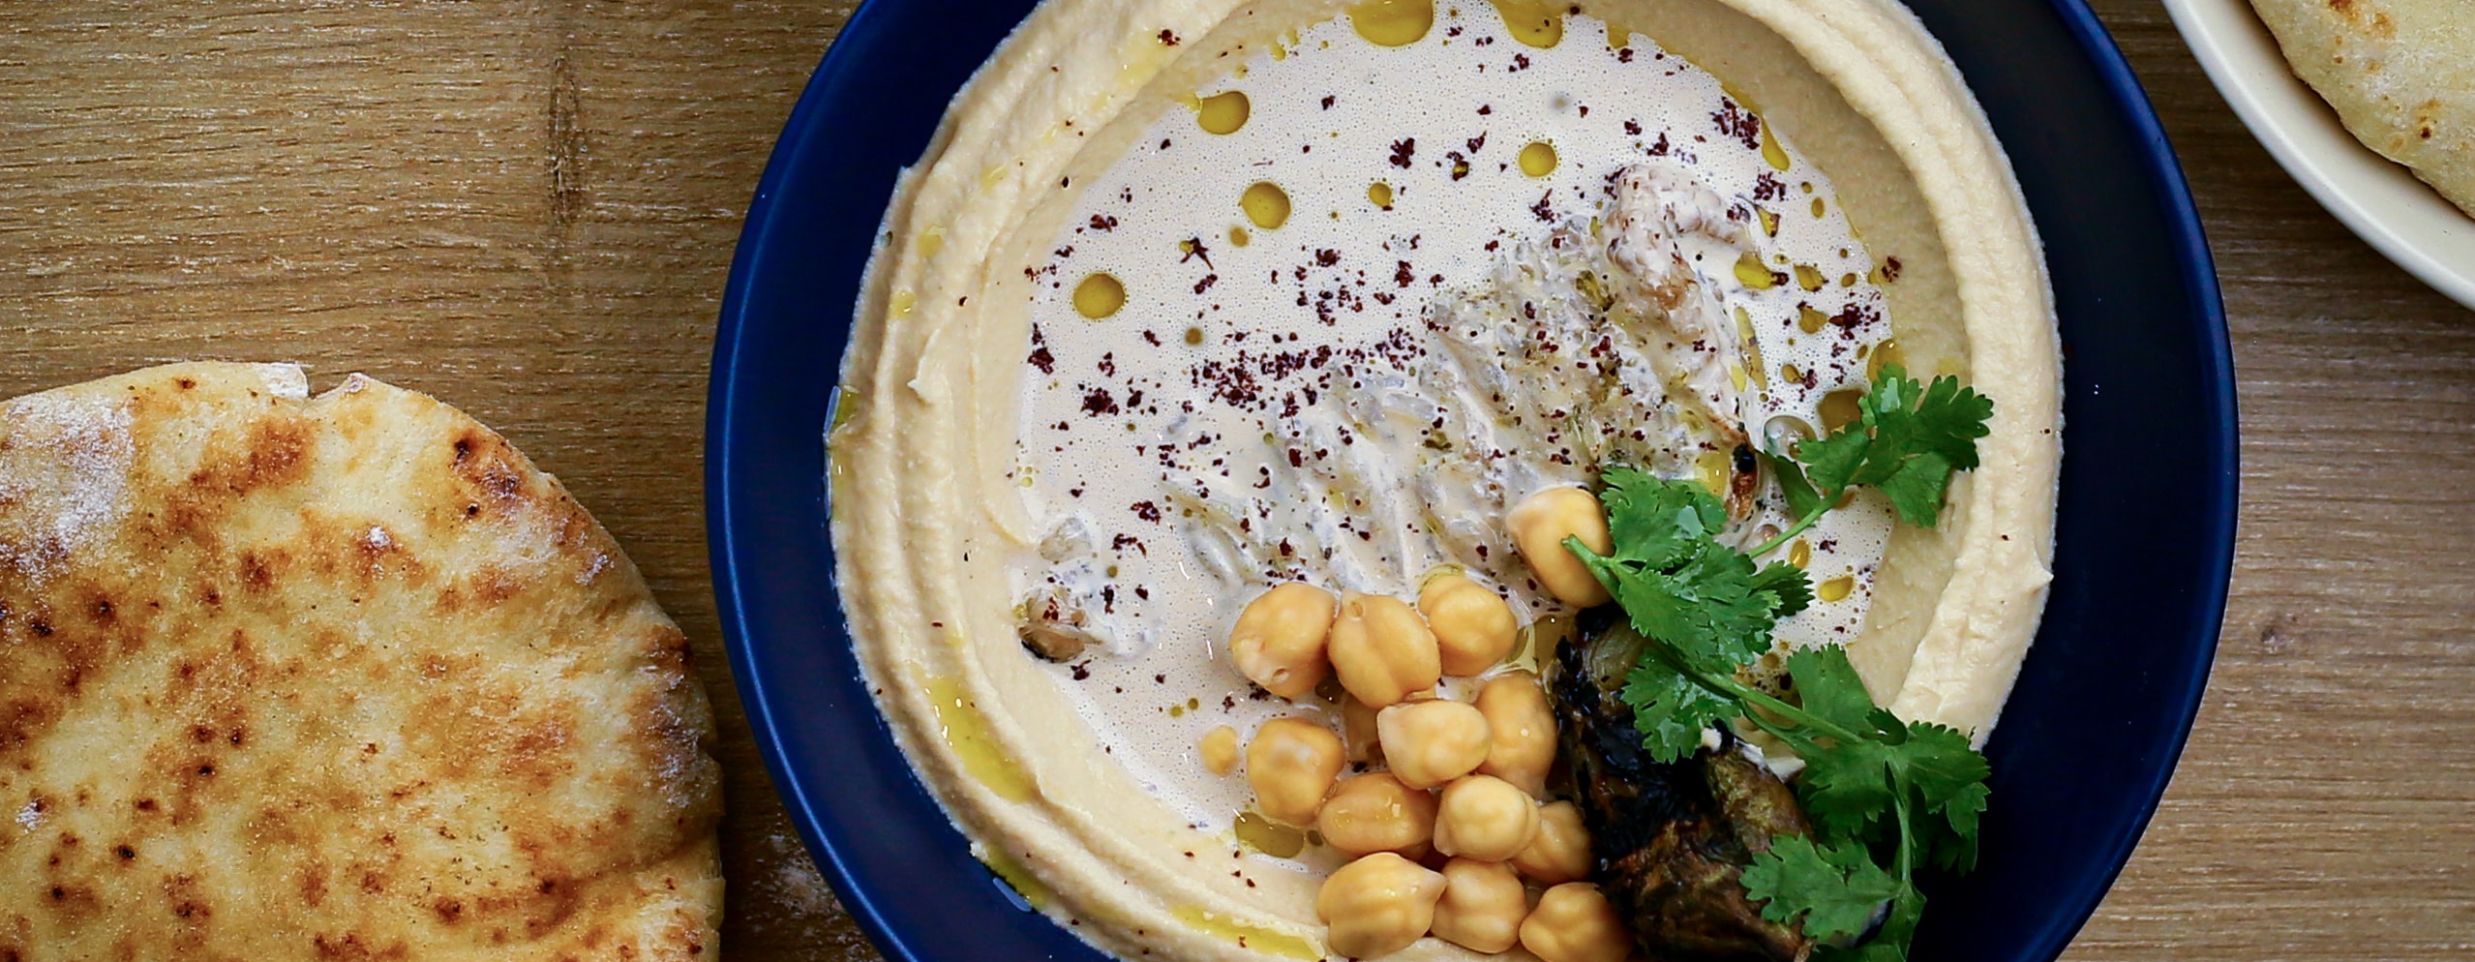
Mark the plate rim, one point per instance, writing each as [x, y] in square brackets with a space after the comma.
[2244, 61]
[720, 459]
[2207, 605]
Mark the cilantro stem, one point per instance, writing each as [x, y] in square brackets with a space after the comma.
[1801, 525]
[1727, 685]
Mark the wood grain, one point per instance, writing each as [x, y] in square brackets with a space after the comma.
[527, 208]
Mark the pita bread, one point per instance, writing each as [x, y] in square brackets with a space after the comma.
[337, 677]
[2400, 73]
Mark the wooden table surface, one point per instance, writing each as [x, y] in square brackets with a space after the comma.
[528, 208]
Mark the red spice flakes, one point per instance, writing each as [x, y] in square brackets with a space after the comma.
[1168, 38]
[1624, 55]
[1401, 275]
[1855, 315]
[1402, 150]
[1098, 401]
[1328, 101]
[1738, 123]
[1040, 356]
[1544, 210]
[1460, 164]
[1768, 187]
[1632, 128]
[1521, 62]
[1147, 511]
[1659, 147]
[1206, 283]
[1103, 222]
[1327, 257]
[1890, 268]
[1484, 109]
[1476, 142]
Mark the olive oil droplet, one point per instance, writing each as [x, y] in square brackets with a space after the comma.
[1754, 273]
[1392, 23]
[1536, 23]
[1839, 408]
[1223, 113]
[1884, 355]
[1099, 296]
[1538, 159]
[1257, 831]
[1265, 204]
[1772, 151]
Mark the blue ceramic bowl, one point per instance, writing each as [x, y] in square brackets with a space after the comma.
[2086, 744]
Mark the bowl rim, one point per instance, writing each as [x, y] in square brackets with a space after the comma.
[2208, 604]
[2403, 218]
[723, 512]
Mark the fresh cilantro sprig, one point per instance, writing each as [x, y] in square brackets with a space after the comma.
[1875, 787]
[1907, 441]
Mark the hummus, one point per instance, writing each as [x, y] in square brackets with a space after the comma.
[1186, 298]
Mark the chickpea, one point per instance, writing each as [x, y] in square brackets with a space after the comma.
[1383, 650]
[1430, 743]
[1219, 750]
[1542, 521]
[1560, 852]
[1485, 818]
[1291, 764]
[1473, 626]
[1574, 923]
[1378, 905]
[1279, 639]
[1376, 813]
[1358, 731]
[1483, 906]
[1520, 731]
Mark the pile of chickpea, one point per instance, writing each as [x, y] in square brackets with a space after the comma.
[1452, 832]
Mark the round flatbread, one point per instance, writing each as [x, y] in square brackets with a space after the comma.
[336, 677]
[2401, 74]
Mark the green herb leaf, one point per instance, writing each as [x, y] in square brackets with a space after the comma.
[1802, 500]
[1949, 780]
[1831, 462]
[1670, 710]
[1706, 606]
[1846, 786]
[1871, 783]
[1786, 585]
[1654, 521]
[1830, 687]
[1835, 889]
[1906, 442]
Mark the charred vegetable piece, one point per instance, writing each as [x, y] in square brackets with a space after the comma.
[1671, 839]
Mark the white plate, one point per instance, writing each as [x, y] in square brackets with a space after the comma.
[2379, 200]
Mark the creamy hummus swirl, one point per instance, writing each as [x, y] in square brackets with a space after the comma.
[932, 523]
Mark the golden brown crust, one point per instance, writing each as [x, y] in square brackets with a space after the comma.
[342, 677]
[2399, 73]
